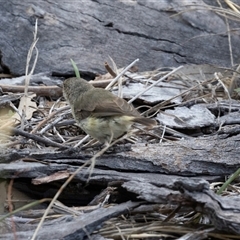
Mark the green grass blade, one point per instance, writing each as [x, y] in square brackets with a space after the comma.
[77, 73]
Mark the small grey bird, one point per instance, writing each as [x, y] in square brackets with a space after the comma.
[100, 113]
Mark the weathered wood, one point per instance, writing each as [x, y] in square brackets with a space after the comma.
[224, 212]
[218, 209]
[159, 33]
[217, 155]
[190, 158]
[162, 173]
[71, 227]
[195, 117]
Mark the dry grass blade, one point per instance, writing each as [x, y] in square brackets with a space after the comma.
[197, 235]
[29, 74]
[120, 80]
[25, 207]
[225, 89]
[131, 229]
[229, 34]
[29, 57]
[233, 15]
[233, 82]
[232, 5]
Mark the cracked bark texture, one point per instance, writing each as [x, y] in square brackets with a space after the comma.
[159, 33]
[208, 156]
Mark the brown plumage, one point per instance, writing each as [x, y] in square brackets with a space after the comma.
[100, 113]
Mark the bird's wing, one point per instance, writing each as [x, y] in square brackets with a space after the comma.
[105, 104]
[114, 107]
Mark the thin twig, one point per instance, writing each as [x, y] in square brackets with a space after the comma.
[15, 109]
[109, 69]
[124, 70]
[49, 117]
[56, 121]
[152, 85]
[163, 133]
[49, 91]
[82, 141]
[52, 124]
[37, 138]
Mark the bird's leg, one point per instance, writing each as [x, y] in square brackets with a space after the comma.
[111, 138]
[93, 160]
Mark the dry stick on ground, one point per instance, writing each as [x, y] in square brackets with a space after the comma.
[52, 124]
[49, 91]
[36, 138]
[124, 71]
[109, 69]
[49, 117]
[100, 83]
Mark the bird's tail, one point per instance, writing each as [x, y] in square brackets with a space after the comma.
[145, 121]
